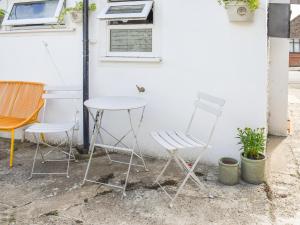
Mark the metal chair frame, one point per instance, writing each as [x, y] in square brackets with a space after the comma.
[172, 141]
[56, 93]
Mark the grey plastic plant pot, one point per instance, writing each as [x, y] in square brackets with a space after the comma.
[253, 171]
[239, 12]
[228, 171]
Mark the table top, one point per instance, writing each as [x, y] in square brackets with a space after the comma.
[115, 103]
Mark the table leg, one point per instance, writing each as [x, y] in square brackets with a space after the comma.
[92, 145]
[98, 126]
[135, 135]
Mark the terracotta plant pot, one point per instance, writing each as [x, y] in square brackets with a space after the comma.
[239, 12]
[228, 171]
[253, 170]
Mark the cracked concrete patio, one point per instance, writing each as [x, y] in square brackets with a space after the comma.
[58, 200]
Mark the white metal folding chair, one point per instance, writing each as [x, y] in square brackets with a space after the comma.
[38, 130]
[173, 141]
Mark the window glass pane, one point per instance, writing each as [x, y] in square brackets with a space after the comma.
[33, 10]
[131, 40]
[296, 47]
[125, 9]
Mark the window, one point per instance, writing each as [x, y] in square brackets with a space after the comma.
[295, 45]
[134, 10]
[33, 13]
[130, 28]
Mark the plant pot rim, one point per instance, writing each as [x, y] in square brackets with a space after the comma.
[253, 160]
[236, 162]
[76, 11]
[238, 4]
[233, 3]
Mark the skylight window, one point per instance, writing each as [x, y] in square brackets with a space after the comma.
[133, 10]
[33, 12]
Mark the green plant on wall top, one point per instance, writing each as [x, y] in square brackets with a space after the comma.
[252, 4]
[2, 12]
[77, 8]
[252, 141]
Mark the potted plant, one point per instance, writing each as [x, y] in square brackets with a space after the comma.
[2, 14]
[228, 171]
[253, 159]
[76, 11]
[240, 10]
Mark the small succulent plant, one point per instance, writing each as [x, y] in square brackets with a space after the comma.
[2, 12]
[252, 141]
[77, 8]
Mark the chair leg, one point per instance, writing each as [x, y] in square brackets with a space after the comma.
[12, 146]
[181, 187]
[35, 155]
[188, 169]
[23, 136]
[70, 152]
[163, 170]
[184, 167]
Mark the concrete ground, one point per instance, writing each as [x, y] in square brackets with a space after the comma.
[61, 200]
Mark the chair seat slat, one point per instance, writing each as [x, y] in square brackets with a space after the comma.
[198, 141]
[178, 139]
[188, 139]
[168, 139]
[161, 141]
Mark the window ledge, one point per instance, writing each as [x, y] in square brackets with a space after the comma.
[38, 30]
[130, 59]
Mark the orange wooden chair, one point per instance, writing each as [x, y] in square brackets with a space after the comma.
[20, 103]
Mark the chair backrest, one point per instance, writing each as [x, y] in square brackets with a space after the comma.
[20, 99]
[61, 93]
[211, 105]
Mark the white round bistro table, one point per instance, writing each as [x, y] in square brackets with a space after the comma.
[115, 103]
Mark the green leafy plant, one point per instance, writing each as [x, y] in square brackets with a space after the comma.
[77, 8]
[252, 4]
[2, 12]
[252, 141]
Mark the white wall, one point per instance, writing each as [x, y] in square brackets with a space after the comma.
[200, 50]
[278, 86]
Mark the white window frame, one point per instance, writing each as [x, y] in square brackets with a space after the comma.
[50, 20]
[126, 16]
[130, 54]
